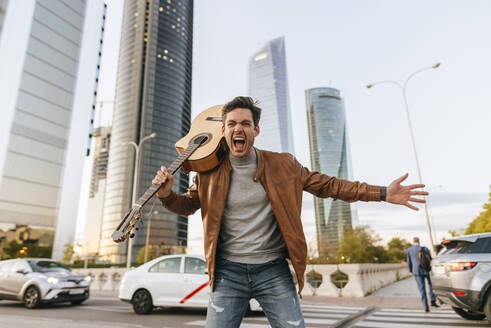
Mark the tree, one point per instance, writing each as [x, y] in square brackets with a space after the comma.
[483, 222]
[360, 245]
[153, 252]
[396, 249]
[68, 252]
[15, 249]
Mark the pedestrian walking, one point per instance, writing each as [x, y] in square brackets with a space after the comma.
[418, 261]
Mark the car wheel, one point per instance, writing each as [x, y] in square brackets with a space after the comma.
[468, 314]
[142, 302]
[487, 307]
[32, 297]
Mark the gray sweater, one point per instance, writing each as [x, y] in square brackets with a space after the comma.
[249, 231]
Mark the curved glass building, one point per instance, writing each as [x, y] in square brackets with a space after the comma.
[329, 154]
[153, 95]
[268, 83]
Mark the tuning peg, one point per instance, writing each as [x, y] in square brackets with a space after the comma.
[132, 235]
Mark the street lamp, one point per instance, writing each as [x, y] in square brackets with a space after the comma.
[403, 90]
[135, 177]
[149, 217]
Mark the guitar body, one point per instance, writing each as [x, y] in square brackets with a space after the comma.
[211, 152]
[202, 149]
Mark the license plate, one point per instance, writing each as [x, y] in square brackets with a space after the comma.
[77, 291]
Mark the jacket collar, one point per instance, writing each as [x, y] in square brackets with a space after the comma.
[260, 164]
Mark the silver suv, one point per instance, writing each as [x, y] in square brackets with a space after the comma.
[36, 281]
[461, 275]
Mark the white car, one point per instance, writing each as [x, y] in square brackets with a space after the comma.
[170, 281]
[35, 281]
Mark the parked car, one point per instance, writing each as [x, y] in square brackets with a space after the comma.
[169, 281]
[461, 275]
[35, 281]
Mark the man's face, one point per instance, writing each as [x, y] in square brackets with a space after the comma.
[239, 132]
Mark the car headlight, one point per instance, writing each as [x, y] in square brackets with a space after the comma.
[53, 280]
[88, 278]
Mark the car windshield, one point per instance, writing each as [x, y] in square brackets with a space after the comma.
[47, 266]
[481, 245]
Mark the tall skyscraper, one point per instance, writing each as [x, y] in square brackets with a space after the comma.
[268, 83]
[95, 204]
[50, 54]
[329, 154]
[153, 95]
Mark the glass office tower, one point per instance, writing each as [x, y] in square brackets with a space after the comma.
[153, 95]
[268, 83]
[50, 54]
[329, 154]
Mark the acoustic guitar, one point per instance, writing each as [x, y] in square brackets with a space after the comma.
[202, 149]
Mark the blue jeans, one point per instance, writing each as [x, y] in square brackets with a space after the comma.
[420, 280]
[270, 284]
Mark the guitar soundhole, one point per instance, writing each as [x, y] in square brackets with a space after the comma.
[207, 138]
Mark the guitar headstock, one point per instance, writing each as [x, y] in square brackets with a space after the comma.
[127, 225]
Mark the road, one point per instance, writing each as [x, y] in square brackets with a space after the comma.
[111, 313]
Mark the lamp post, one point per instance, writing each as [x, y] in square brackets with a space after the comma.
[403, 90]
[149, 217]
[135, 177]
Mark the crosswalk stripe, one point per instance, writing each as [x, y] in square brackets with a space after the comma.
[417, 315]
[371, 324]
[318, 306]
[414, 310]
[418, 320]
[202, 323]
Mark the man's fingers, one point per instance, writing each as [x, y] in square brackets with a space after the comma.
[417, 200]
[404, 177]
[414, 186]
[412, 207]
[420, 193]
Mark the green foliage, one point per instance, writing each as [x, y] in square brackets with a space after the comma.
[483, 222]
[360, 245]
[396, 249]
[156, 251]
[68, 253]
[153, 252]
[15, 250]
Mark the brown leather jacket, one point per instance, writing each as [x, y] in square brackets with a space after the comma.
[284, 180]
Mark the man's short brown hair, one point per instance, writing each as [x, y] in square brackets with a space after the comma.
[242, 102]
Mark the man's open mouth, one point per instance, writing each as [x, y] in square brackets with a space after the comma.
[239, 143]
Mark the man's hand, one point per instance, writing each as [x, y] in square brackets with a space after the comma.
[398, 194]
[163, 176]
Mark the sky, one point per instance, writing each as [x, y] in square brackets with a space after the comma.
[347, 45]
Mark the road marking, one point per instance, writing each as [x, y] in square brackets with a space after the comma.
[41, 322]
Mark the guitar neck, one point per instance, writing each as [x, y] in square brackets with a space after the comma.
[173, 168]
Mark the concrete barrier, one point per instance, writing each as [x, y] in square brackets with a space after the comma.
[106, 279]
[363, 279]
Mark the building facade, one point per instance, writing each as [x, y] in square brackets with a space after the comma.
[329, 154]
[268, 84]
[95, 203]
[50, 52]
[153, 95]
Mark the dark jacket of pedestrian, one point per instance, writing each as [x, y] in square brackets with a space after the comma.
[413, 260]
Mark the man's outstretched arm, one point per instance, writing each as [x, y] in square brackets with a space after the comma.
[404, 195]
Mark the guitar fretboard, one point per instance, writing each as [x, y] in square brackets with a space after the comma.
[173, 168]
